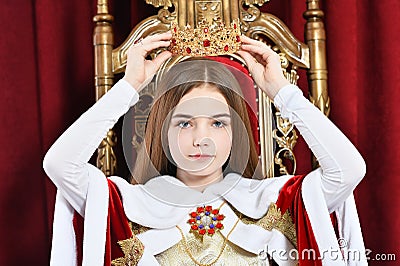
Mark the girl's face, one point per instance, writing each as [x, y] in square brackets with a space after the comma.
[200, 133]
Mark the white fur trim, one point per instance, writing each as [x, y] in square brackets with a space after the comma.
[95, 226]
[63, 250]
[350, 232]
[321, 224]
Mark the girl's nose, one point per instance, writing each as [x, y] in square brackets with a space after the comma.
[201, 142]
[201, 135]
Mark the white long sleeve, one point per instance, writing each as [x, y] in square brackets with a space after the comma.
[66, 162]
[341, 165]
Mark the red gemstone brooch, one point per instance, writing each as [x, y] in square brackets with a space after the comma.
[206, 220]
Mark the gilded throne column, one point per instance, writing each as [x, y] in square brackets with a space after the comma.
[104, 78]
[317, 73]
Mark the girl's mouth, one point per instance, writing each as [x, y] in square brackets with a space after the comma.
[201, 156]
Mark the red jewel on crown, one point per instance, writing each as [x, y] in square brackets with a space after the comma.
[206, 38]
[206, 220]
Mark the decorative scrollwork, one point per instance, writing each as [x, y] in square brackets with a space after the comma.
[286, 138]
[165, 16]
[255, 2]
[285, 135]
[291, 74]
[141, 113]
[106, 159]
[163, 3]
[251, 14]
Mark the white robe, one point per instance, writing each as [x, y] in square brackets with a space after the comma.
[84, 188]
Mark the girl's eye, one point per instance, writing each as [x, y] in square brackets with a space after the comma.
[218, 124]
[183, 124]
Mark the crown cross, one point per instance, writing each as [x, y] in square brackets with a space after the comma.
[205, 40]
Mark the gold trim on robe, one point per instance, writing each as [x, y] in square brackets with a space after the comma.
[206, 248]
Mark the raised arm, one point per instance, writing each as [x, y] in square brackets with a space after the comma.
[342, 167]
[66, 162]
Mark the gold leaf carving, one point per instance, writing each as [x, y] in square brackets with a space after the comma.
[106, 159]
[255, 2]
[158, 3]
[286, 137]
[209, 11]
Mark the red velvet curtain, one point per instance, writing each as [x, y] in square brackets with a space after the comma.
[46, 75]
[46, 58]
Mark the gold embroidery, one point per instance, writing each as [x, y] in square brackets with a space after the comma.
[133, 250]
[206, 251]
[137, 228]
[274, 220]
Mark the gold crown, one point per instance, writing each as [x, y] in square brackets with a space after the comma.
[206, 40]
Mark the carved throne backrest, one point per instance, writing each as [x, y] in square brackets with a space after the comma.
[255, 24]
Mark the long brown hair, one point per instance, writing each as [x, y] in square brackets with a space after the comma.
[153, 160]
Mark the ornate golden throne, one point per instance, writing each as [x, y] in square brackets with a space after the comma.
[295, 55]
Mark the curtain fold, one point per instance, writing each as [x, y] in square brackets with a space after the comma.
[46, 58]
[364, 81]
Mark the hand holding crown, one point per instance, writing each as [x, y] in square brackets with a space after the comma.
[206, 40]
[264, 65]
[139, 71]
[216, 39]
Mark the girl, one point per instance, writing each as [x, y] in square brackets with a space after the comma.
[197, 203]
